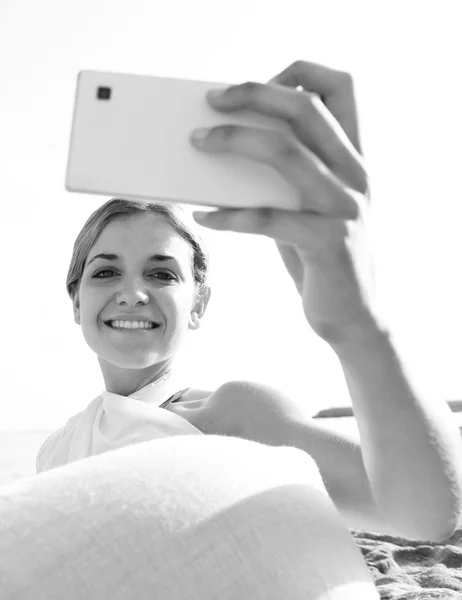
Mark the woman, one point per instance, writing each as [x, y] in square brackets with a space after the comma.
[325, 249]
[405, 477]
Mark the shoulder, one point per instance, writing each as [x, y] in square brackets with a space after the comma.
[254, 394]
[241, 408]
[253, 409]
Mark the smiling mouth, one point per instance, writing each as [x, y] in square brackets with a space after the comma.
[142, 326]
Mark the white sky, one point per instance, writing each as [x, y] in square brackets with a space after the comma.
[406, 59]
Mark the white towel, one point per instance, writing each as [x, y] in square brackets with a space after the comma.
[112, 421]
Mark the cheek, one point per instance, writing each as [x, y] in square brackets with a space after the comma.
[180, 304]
[91, 304]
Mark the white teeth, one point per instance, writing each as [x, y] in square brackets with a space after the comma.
[131, 324]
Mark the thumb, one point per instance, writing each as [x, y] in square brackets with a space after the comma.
[292, 263]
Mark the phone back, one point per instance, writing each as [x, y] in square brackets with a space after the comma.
[130, 138]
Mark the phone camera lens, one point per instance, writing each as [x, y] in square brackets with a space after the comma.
[104, 93]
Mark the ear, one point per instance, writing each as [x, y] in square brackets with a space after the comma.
[199, 308]
[76, 305]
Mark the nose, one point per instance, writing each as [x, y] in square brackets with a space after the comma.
[132, 294]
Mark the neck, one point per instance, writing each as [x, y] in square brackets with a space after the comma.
[125, 382]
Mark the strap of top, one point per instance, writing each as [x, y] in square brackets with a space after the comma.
[175, 398]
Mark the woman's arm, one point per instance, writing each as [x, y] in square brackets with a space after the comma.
[262, 413]
[390, 501]
[411, 445]
[411, 450]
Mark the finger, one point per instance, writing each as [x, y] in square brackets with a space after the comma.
[286, 227]
[309, 119]
[335, 88]
[319, 189]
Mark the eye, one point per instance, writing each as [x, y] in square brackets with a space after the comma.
[98, 273]
[165, 275]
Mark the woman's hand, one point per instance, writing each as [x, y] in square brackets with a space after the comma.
[324, 246]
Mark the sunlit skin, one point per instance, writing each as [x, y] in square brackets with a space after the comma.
[163, 291]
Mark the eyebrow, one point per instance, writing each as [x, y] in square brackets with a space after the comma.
[153, 258]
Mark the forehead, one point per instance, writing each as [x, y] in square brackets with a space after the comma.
[142, 235]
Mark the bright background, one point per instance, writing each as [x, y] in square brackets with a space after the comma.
[406, 60]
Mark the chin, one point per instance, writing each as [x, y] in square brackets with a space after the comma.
[131, 361]
[131, 356]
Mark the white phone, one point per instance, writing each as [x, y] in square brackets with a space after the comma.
[130, 138]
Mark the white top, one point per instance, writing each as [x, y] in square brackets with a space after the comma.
[112, 421]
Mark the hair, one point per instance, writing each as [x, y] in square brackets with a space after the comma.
[120, 209]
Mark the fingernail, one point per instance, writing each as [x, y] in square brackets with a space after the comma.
[199, 135]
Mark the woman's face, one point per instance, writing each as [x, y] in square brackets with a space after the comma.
[149, 277]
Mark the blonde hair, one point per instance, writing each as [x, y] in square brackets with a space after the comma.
[119, 209]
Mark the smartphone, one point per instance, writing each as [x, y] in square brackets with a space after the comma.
[130, 139]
